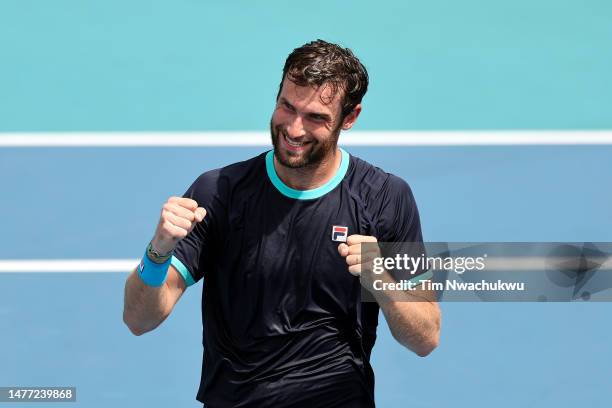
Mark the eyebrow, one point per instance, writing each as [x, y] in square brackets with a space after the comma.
[322, 115]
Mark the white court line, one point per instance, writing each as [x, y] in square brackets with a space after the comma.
[350, 138]
[211, 139]
[127, 265]
[68, 265]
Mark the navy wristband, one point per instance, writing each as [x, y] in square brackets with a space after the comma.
[151, 273]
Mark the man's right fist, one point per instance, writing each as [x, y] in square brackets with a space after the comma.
[178, 217]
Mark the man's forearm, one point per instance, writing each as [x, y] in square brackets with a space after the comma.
[144, 306]
[413, 317]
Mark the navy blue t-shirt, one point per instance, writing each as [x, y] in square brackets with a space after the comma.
[284, 325]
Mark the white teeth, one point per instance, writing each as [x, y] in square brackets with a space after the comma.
[294, 144]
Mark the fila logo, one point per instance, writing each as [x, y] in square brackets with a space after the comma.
[339, 233]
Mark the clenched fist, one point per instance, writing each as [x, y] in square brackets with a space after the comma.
[178, 217]
[357, 260]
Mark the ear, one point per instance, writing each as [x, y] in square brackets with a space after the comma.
[350, 119]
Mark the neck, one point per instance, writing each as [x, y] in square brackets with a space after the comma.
[309, 177]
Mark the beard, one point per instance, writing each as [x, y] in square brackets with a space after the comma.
[317, 152]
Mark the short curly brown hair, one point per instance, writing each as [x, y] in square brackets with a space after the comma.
[320, 62]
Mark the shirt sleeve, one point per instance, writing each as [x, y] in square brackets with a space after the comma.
[399, 225]
[194, 254]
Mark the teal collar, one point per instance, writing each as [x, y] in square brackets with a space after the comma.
[306, 194]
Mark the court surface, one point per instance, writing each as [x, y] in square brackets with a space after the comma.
[66, 329]
[157, 66]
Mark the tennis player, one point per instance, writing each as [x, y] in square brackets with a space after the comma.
[277, 241]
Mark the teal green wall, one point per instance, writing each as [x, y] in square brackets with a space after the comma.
[196, 65]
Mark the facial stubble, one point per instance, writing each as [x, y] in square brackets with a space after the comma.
[315, 155]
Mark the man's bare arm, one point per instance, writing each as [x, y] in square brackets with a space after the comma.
[146, 307]
[413, 316]
[414, 319]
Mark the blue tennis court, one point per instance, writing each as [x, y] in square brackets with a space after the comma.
[66, 328]
[152, 66]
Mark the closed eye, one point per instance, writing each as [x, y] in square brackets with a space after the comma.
[288, 106]
[317, 118]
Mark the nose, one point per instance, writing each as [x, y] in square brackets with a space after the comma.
[296, 127]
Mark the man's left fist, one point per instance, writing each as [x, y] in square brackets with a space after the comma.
[355, 258]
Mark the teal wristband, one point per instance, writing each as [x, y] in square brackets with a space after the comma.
[151, 273]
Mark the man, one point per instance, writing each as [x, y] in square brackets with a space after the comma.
[284, 325]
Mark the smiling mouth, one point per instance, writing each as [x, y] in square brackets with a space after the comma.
[292, 143]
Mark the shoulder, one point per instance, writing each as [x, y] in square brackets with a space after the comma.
[388, 199]
[233, 172]
[222, 181]
[373, 184]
